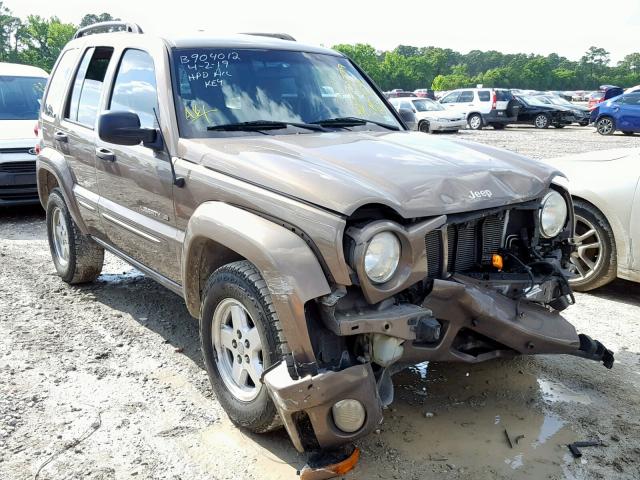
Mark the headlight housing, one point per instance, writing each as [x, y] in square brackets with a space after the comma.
[382, 257]
[553, 214]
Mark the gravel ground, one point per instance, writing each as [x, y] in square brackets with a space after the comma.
[105, 381]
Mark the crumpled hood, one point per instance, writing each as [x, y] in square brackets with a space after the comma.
[415, 174]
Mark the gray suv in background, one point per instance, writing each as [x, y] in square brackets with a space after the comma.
[321, 245]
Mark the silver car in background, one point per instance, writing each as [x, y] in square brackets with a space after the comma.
[430, 115]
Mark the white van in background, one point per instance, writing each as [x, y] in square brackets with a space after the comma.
[21, 89]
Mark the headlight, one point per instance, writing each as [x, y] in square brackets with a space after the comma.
[382, 257]
[553, 214]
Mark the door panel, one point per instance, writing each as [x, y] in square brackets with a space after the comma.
[76, 134]
[135, 183]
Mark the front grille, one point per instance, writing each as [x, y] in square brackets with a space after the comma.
[469, 244]
[28, 166]
[28, 150]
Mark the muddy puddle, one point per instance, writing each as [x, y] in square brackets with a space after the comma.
[454, 417]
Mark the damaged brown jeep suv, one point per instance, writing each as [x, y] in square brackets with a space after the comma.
[321, 245]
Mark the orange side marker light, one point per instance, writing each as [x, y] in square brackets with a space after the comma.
[497, 262]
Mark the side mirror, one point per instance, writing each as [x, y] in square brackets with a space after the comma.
[407, 116]
[123, 128]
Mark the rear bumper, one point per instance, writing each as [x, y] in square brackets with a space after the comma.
[476, 324]
[498, 116]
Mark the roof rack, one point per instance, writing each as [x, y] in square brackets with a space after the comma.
[103, 27]
[281, 36]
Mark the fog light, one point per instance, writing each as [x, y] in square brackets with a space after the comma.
[348, 415]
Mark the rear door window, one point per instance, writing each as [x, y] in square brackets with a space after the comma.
[87, 87]
[58, 82]
[20, 97]
[466, 96]
[135, 88]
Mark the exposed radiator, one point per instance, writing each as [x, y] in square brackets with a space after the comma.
[469, 244]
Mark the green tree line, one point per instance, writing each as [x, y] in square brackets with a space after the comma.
[36, 40]
[410, 67]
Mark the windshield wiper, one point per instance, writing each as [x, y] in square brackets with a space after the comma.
[352, 122]
[257, 125]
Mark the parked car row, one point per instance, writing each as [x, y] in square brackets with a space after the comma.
[498, 107]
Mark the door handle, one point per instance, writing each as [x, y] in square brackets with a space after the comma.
[61, 137]
[105, 154]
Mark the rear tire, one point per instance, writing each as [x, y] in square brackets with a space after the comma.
[240, 289]
[77, 258]
[605, 126]
[559, 125]
[595, 259]
[628, 133]
[475, 121]
[541, 120]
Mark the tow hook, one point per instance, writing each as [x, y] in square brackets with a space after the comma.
[595, 350]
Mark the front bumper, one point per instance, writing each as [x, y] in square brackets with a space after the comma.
[477, 324]
[445, 125]
[18, 179]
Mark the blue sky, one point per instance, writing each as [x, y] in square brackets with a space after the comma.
[541, 26]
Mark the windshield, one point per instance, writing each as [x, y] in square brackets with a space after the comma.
[220, 87]
[427, 105]
[20, 97]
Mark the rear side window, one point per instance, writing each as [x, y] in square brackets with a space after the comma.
[466, 96]
[20, 97]
[58, 82]
[484, 96]
[87, 87]
[135, 87]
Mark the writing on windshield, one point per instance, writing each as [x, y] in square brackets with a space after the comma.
[217, 87]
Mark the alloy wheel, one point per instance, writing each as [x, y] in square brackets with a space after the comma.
[60, 237]
[238, 349]
[605, 126]
[588, 257]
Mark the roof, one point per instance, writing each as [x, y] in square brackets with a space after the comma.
[18, 70]
[204, 40]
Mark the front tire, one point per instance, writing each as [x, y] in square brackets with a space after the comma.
[424, 127]
[77, 258]
[605, 126]
[240, 337]
[541, 120]
[595, 259]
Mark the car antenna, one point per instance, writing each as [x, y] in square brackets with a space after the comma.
[177, 181]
